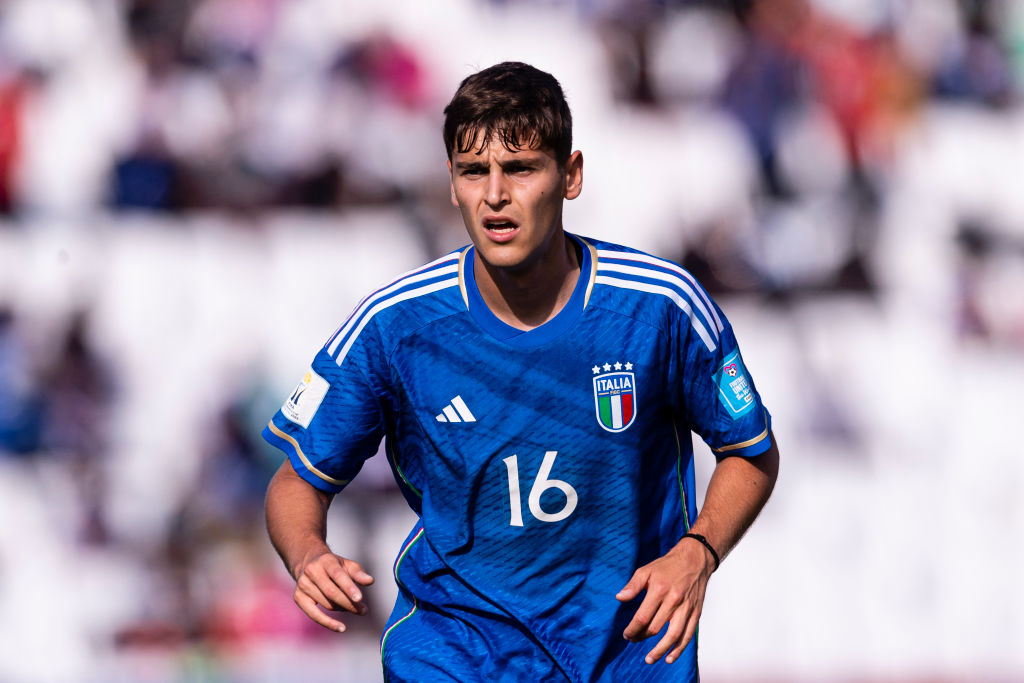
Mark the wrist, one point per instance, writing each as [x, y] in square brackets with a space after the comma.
[708, 548]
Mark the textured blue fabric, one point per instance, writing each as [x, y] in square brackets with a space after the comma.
[496, 585]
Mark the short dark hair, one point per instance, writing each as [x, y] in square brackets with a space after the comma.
[520, 104]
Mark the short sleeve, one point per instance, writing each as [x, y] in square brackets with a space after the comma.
[330, 423]
[719, 397]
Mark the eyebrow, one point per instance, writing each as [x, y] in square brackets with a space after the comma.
[515, 162]
[471, 165]
[520, 163]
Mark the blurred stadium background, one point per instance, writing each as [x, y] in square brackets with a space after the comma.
[194, 193]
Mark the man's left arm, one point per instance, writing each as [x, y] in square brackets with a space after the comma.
[676, 582]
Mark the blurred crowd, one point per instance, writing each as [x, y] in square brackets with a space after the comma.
[251, 105]
[771, 146]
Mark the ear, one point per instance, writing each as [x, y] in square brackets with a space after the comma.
[451, 184]
[574, 175]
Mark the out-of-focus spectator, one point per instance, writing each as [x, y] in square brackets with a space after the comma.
[978, 69]
[226, 501]
[22, 405]
[386, 148]
[764, 84]
[144, 174]
[235, 112]
[79, 389]
[12, 95]
[796, 54]
[990, 263]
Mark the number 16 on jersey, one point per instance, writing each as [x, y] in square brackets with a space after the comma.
[541, 484]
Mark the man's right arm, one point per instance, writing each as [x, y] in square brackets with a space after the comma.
[297, 524]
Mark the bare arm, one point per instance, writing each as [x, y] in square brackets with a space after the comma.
[676, 582]
[297, 524]
[738, 490]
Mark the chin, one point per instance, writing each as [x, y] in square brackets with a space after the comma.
[496, 259]
[502, 256]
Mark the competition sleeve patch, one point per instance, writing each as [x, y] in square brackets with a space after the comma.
[734, 389]
[303, 403]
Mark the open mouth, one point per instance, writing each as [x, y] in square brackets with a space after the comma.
[499, 226]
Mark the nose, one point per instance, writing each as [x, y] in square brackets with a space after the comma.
[497, 193]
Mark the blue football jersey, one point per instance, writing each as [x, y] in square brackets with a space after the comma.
[545, 466]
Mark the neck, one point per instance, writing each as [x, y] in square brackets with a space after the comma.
[530, 296]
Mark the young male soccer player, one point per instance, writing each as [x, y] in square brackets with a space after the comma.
[537, 390]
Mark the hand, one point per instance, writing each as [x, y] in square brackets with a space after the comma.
[330, 582]
[675, 585]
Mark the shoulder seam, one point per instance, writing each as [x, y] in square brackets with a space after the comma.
[657, 268]
[708, 337]
[434, 277]
[358, 322]
[414, 275]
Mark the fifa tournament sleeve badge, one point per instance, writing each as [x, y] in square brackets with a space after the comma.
[305, 400]
[614, 396]
[734, 389]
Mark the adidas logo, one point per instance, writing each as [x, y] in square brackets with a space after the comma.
[456, 411]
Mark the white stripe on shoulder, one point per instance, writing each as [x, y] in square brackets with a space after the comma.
[431, 270]
[670, 279]
[662, 263]
[698, 326]
[398, 298]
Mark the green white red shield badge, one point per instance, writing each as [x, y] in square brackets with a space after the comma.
[615, 397]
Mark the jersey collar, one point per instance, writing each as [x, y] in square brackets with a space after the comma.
[545, 333]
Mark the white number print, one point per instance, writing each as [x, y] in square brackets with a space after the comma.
[540, 485]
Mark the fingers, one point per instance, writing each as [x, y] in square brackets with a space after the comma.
[323, 589]
[664, 603]
[356, 572]
[682, 627]
[638, 627]
[668, 641]
[636, 584]
[654, 612]
[313, 611]
[656, 608]
[341, 588]
[669, 605]
[675, 585]
[691, 629]
[332, 589]
[307, 587]
[330, 582]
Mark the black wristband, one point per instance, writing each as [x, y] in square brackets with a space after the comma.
[704, 541]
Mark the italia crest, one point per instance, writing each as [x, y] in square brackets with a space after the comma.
[614, 396]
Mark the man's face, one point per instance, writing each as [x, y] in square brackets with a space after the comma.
[511, 200]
